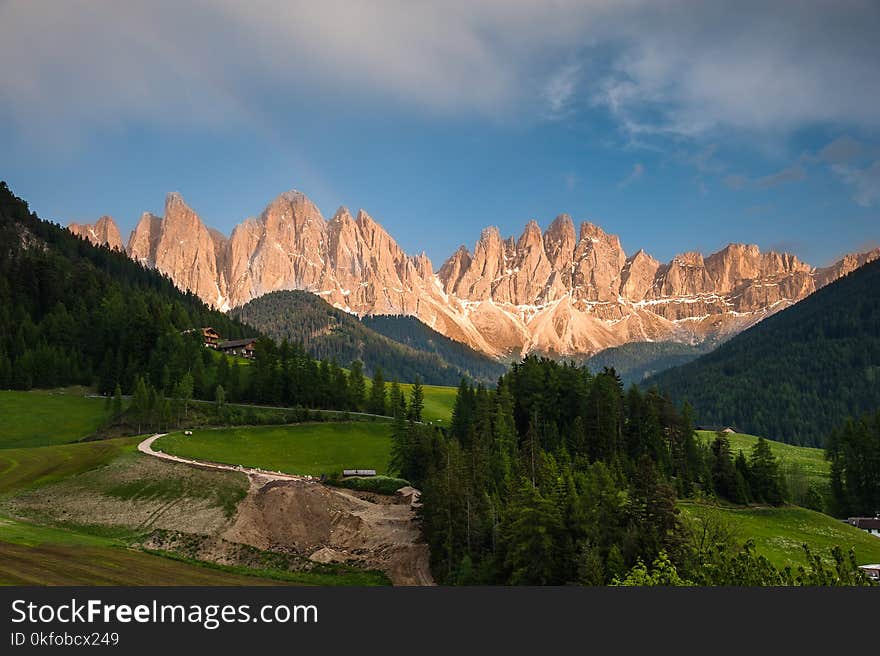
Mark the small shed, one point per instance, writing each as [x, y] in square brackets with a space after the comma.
[358, 472]
[871, 571]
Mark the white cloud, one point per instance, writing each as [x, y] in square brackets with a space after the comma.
[793, 173]
[841, 149]
[638, 170]
[865, 181]
[560, 88]
[677, 67]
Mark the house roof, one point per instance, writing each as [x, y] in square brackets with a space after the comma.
[232, 343]
[866, 523]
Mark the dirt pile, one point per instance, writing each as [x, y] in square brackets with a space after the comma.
[332, 525]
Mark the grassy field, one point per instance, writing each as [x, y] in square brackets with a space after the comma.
[811, 461]
[41, 555]
[439, 402]
[320, 448]
[41, 418]
[779, 532]
[25, 468]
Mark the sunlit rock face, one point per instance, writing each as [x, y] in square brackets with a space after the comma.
[562, 291]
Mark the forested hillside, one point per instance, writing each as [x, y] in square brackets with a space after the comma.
[74, 313]
[636, 361]
[327, 332]
[558, 476]
[413, 333]
[799, 373]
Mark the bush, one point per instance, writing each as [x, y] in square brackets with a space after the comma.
[377, 484]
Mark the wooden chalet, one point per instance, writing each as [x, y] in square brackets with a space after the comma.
[210, 337]
[241, 347]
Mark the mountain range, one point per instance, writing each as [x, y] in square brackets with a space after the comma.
[559, 292]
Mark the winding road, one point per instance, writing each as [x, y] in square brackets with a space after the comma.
[146, 447]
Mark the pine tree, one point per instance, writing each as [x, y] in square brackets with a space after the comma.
[185, 391]
[140, 402]
[529, 532]
[356, 385]
[723, 470]
[765, 478]
[220, 403]
[378, 404]
[416, 401]
[117, 401]
[396, 400]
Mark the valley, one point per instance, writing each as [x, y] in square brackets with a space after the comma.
[162, 448]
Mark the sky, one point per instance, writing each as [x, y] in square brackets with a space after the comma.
[676, 125]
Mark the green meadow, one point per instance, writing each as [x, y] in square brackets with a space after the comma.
[439, 402]
[778, 533]
[810, 460]
[41, 418]
[31, 554]
[41, 454]
[314, 449]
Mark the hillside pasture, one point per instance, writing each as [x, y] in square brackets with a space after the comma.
[26, 468]
[312, 449]
[778, 533]
[45, 417]
[439, 401]
[810, 460]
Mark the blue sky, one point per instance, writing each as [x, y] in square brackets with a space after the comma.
[678, 126]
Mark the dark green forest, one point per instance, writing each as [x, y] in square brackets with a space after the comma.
[415, 334]
[73, 313]
[559, 476]
[636, 361]
[329, 333]
[798, 374]
[854, 452]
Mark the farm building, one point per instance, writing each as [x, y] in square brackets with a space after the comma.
[872, 571]
[210, 337]
[869, 524]
[718, 429]
[243, 347]
[358, 472]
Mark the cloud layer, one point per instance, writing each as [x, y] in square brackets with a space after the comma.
[676, 67]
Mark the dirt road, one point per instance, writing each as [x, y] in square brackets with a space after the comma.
[147, 447]
[326, 524]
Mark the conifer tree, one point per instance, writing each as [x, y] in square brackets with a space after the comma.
[378, 395]
[416, 401]
[356, 385]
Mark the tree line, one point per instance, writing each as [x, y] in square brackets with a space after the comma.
[854, 452]
[559, 476]
[74, 313]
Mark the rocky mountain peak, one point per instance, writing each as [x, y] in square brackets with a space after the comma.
[552, 292]
[104, 232]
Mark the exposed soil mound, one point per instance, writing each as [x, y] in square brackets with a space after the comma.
[332, 525]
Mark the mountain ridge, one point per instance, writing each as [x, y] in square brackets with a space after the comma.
[798, 375]
[559, 292]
